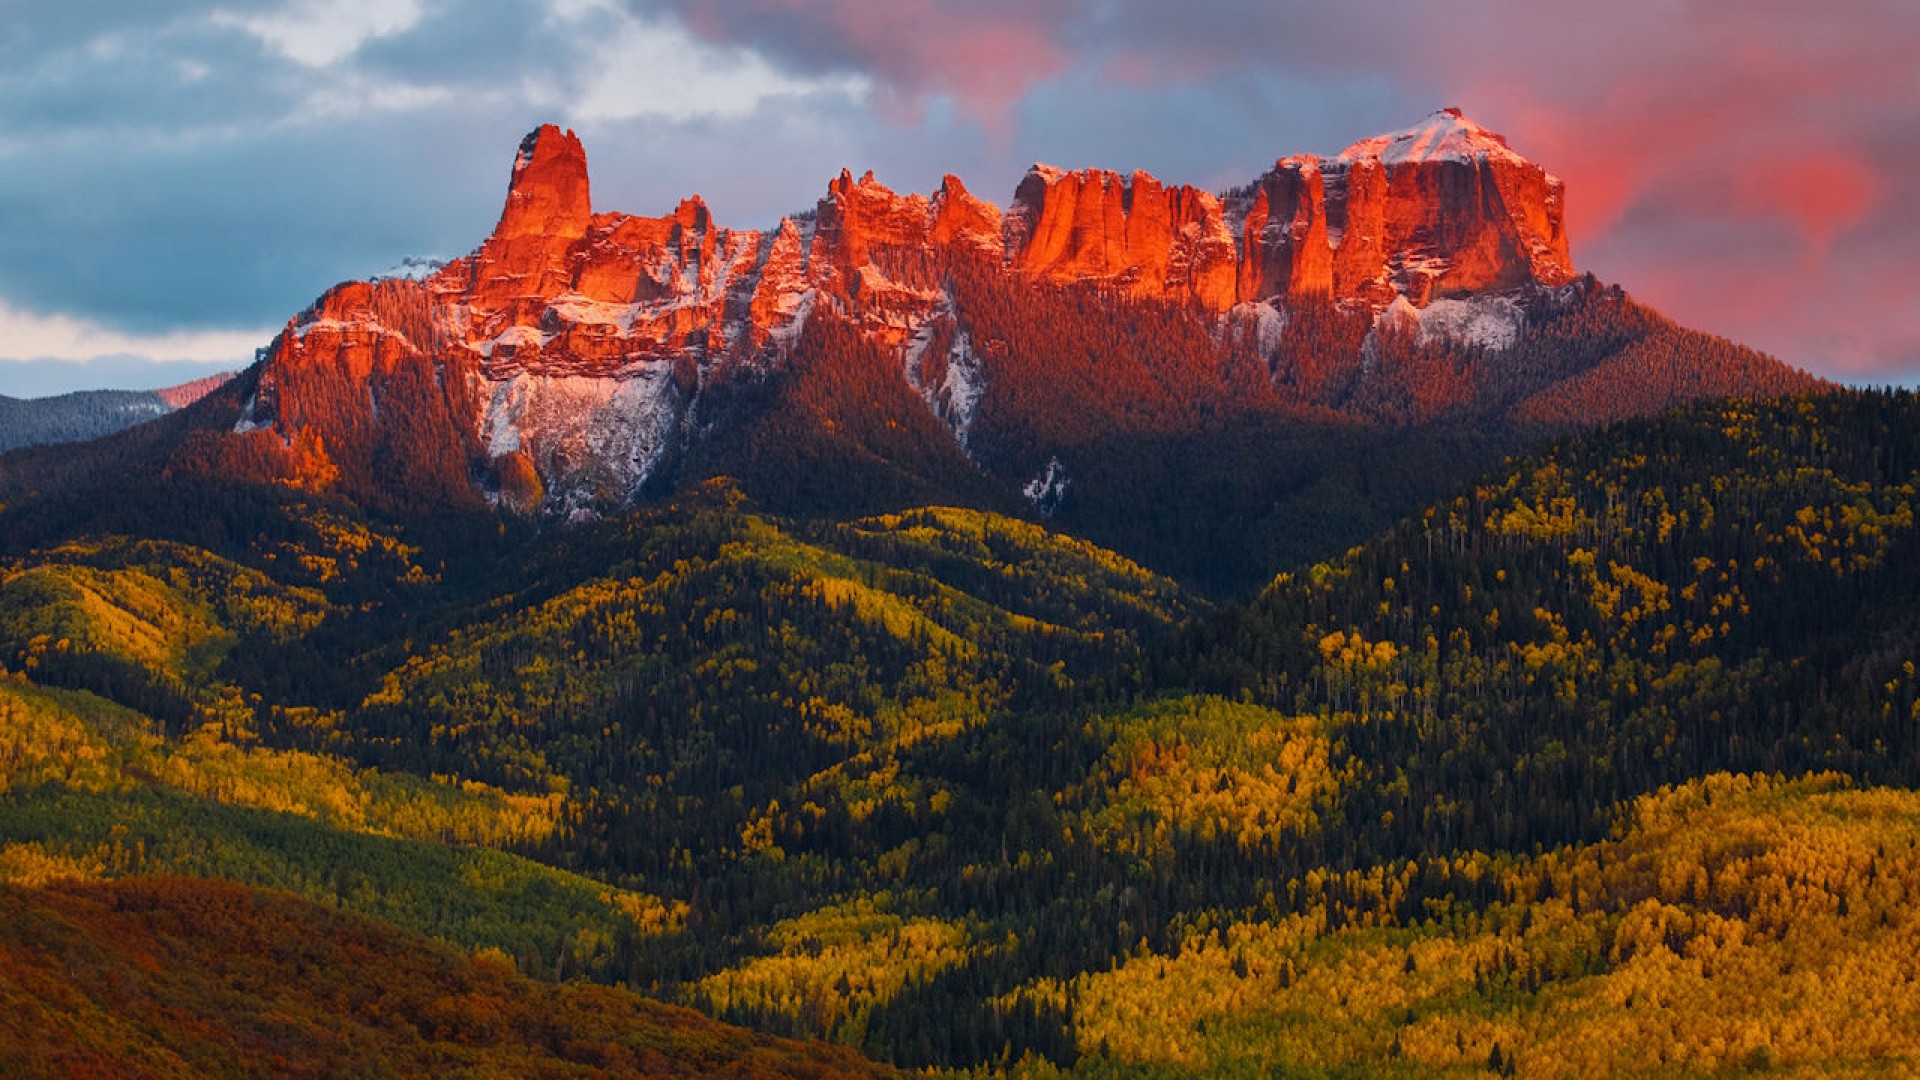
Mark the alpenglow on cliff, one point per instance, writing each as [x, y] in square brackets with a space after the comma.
[567, 364]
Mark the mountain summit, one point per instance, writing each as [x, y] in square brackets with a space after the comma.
[1445, 135]
[1441, 208]
[576, 358]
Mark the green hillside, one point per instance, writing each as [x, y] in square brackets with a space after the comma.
[1601, 765]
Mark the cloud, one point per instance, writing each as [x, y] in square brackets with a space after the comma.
[354, 96]
[26, 335]
[652, 67]
[319, 33]
[985, 54]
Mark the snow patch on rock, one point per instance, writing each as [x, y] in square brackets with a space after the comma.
[515, 337]
[1486, 322]
[411, 268]
[1443, 136]
[1048, 489]
[794, 308]
[965, 385]
[248, 417]
[592, 439]
[955, 397]
[576, 310]
[1264, 323]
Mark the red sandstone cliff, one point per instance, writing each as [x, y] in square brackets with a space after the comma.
[573, 344]
[1442, 208]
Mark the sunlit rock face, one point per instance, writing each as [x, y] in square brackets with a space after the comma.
[1442, 208]
[548, 210]
[558, 367]
[1151, 240]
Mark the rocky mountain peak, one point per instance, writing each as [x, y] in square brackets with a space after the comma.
[1445, 135]
[1132, 230]
[547, 195]
[577, 347]
[958, 216]
[1442, 208]
[692, 214]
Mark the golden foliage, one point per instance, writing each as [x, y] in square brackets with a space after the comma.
[1210, 769]
[1733, 921]
[834, 965]
[80, 741]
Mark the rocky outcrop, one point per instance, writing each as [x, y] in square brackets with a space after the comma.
[571, 347]
[960, 218]
[1148, 239]
[868, 255]
[548, 209]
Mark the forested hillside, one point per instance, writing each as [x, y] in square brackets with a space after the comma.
[74, 417]
[1212, 448]
[1604, 763]
[1723, 588]
[166, 976]
[90, 414]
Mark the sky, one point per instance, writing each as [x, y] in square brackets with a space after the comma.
[177, 179]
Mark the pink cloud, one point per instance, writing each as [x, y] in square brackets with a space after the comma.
[1821, 194]
[1736, 174]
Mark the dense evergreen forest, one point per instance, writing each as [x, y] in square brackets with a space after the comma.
[90, 414]
[87, 414]
[1606, 761]
[1214, 449]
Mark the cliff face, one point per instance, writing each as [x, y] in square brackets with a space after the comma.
[548, 209]
[572, 348]
[1155, 241]
[1441, 209]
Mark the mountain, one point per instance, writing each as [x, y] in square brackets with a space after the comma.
[1010, 641]
[1440, 209]
[577, 360]
[1215, 385]
[90, 414]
